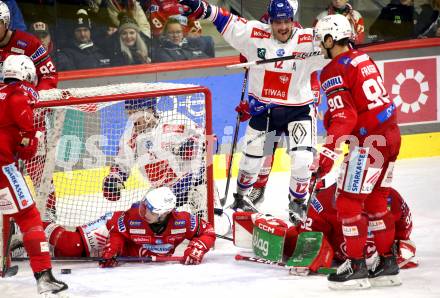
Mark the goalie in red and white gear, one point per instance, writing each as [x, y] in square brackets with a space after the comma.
[168, 152]
[152, 227]
[19, 140]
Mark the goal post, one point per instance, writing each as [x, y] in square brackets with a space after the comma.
[85, 131]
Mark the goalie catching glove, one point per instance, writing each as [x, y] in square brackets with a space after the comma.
[194, 252]
[113, 184]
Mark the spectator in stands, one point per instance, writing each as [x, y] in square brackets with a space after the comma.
[129, 46]
[174, 46]
[17, 21]
[395, 22]
[355, 18]
[428, 18]
[113, 8]
[82, 53]
[41, 31]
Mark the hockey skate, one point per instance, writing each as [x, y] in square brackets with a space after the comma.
[297, 210]
[47, 284]
[385, 272]
[351, 275]
[243, 203]
[257, 195]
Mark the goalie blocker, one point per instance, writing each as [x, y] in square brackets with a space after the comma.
[272, 239]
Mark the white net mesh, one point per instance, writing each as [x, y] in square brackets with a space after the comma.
[104, 154]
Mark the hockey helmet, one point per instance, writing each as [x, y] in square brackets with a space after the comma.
[282, 9]
[160, 200]
[5, 15]
[335, 25]
[19, 67]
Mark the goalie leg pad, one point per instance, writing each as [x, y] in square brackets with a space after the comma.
[312, 252]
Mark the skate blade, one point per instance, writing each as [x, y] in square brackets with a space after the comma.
[354, 284]
[386, 281]
[62, 294]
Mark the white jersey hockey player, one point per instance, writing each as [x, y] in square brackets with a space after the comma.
[280, 94]
[167, 150]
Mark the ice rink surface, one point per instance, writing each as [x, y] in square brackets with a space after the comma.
[418, 180]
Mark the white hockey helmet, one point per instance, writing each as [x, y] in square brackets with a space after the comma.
[160, 200]
[19, 67]
[5, 15]
[335, 25]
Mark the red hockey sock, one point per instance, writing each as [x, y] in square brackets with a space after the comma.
[34, 239]
[355, 234]
[383, 230]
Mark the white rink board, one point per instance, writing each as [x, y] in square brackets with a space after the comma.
[418, 180]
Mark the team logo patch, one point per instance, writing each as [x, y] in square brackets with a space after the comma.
[304, 38]
[261, 53]
[22, 43]
[344, 60]
[332, 82]
[2, 95]
[276, 84]
[180, 223]
[193, 222]
[137, 231]
[38, 53]
[177, 231]
[258, 33]
[317, 205]
[350, 231]
[135, 223]
[280, 52]
[158, 249]
[376, 225]
[17, 50]
[121, 225]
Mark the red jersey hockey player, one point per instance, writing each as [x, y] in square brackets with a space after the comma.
[153, 228]
[16, 42]
[361, 114]
[19, 139]
[322, 217]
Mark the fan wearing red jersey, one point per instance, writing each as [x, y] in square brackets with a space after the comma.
[19, 139]
[153, 228]
[361, 114]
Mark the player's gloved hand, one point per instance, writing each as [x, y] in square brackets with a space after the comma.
[113, 184]
[406, 251]
[28, 145]
[108, 258]
[188, 149]
[194, 252]
[198, 9]
[325, 162]
[243, 110]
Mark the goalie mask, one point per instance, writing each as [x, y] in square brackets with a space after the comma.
[160, 201]
[5, 15]
[19, 67]
[143, 113]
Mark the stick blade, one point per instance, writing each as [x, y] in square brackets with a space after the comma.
[223, 201]
[11, 271]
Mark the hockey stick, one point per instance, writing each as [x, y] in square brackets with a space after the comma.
[147, 259]
[7, 270]
[224, 237]
[300, 56]
[234, 142]
[238, 257]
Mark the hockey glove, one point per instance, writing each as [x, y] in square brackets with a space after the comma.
[327, 158]
[108, 258]
[406, 251]
[244, 111]
[187, 150]
[197, 9]
[28, 145]
[113, 184]
[194, 253]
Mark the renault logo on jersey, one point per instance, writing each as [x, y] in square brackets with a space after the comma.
[261, 53]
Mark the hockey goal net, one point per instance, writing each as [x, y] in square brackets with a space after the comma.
[150, 134]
